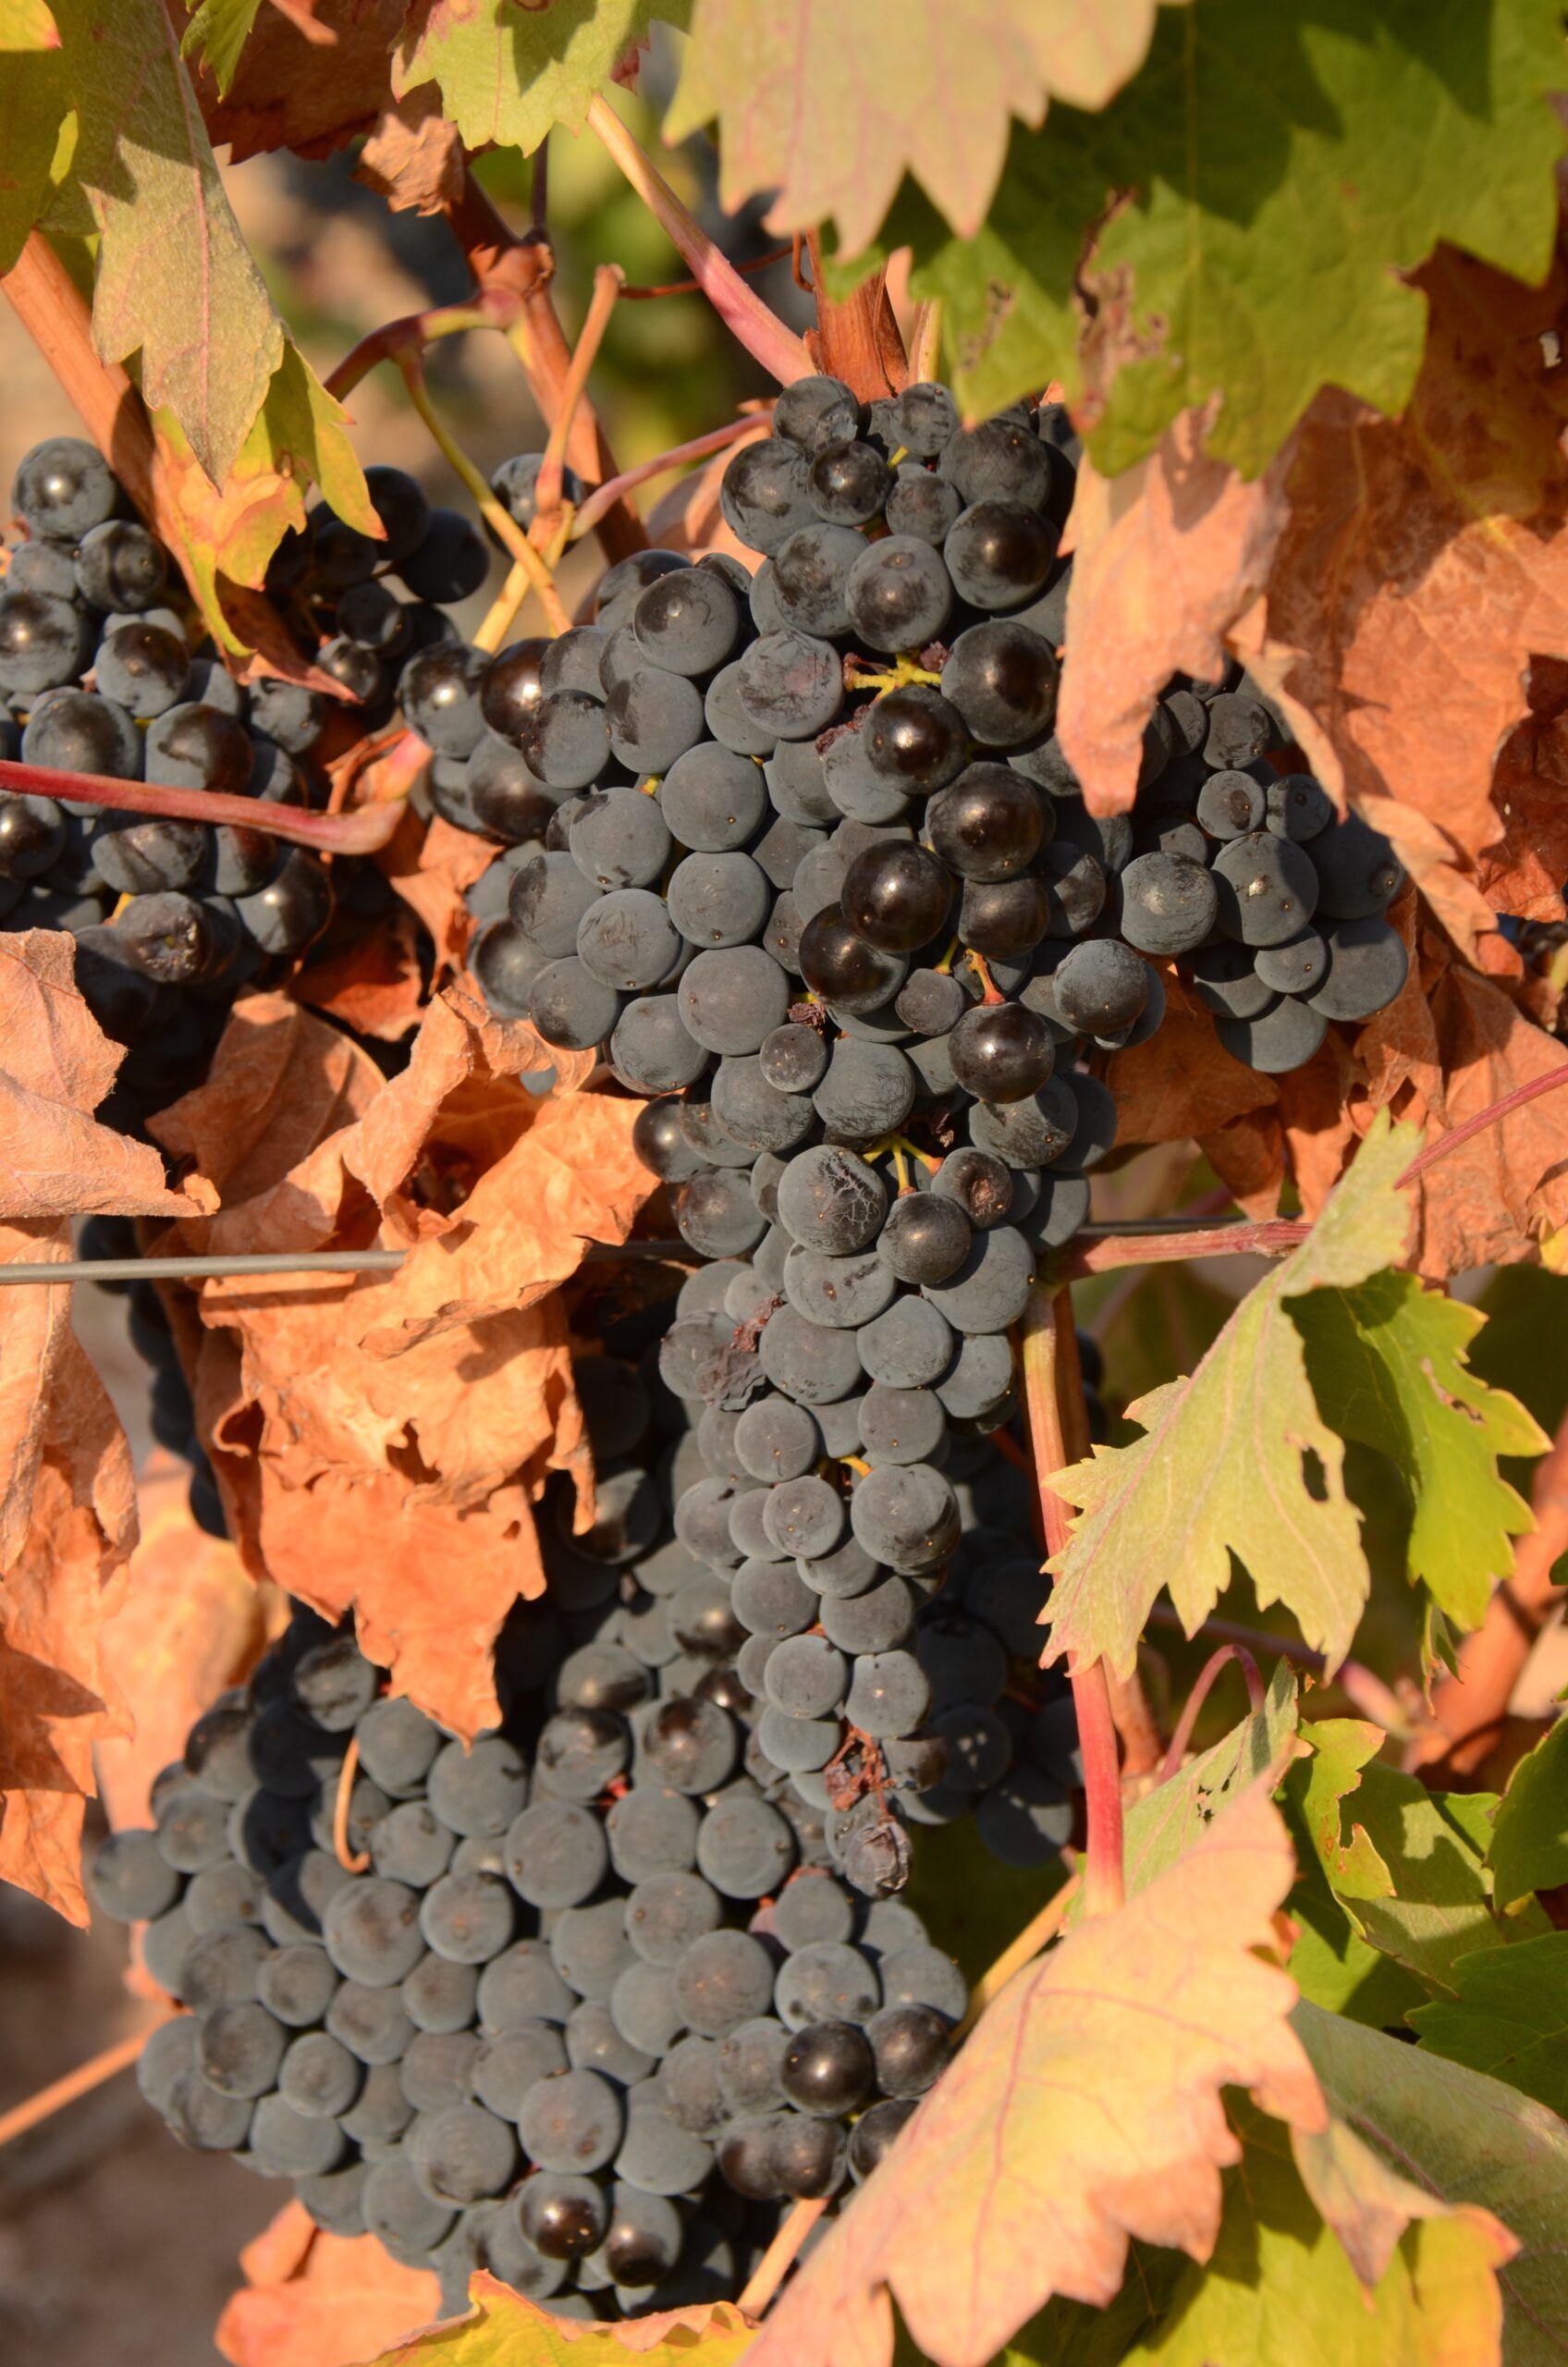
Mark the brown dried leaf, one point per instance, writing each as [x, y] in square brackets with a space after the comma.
[56, 1066]
[290, 92]
[68, 1522]
[414, 157]
[311, 2299]
[1169, 554]
[370, 1435]
[374, 984]
[1248, 1156]
[432, 865]
[1491, 1202]
[1182, 1081]
[188, 1623]
[1013, 2180]
[1424, 561]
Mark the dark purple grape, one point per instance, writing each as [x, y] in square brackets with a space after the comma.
[895, 896]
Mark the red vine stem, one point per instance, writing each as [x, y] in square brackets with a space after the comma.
[589, 511]
[694, 286]
[1214, 1667]
[1492, 1115]
[762, 334]
[1053, 1392]
[608, 281]
[360, 832]
[1366, 1692]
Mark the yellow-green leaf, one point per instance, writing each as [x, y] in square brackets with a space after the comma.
[1510, 2017]
[507, 74]
[829, 102]
[503, 2330]
[231, 532]
[1412, 1876]
[176, 280]
[1239, 1459]
[1167, 1822]
[32, 102]
[1388, 1358]
[1463, 2138]
[218, 31]
[1529, 1840]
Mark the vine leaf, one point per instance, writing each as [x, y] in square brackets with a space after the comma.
[1464, 2139]
[312, 74]
[1510, 2017]
[1013, 2180]
[1237, 1459]
[508, 74]
[1390, 1357]
[505, 2330]
[189, 1623]
[218, 31]
[176, 280]
[1169, 1822]
[1529, 1841]
[311, 2299]
[32, 104]
[829, 111]
[414, 157]
[1239, 219]
[1284, 2287]
[1401, 534]
[363, 1437]
[1412, 1876]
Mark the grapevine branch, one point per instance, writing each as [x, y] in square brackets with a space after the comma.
[764, 334]
[1213, 1668]
[779, 2258]
[499, 259]
[1054, 1396]
[362, 833]
[1368, 1693]
[79, 2082]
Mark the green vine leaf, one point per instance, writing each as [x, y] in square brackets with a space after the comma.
[502, 2329]
[944, 80]
[1167, 1822]
[176, 280]
[508, 74]
[218, 31]
[32, 106]
[1237, 1459]
[1529, 1839]
[1241, 217]
[1464, 2138]
[1413, 1875]
[1389, 1358]
[1281, 2291]
[1510, 2017]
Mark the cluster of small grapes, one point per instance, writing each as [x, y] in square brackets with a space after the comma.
[101, 671]
[593, 2006]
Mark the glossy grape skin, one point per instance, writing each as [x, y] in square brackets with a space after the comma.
[895, 897]
[1001, 1052]
[989, 825]
[838, 964]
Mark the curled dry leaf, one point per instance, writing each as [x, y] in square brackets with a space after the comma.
[1013, 2181]
[187, 1622]
[286, 94]
[414, 157]
[1423, 563]
[68, 1510]
[502, 2325]
[311, 2299]
[367, 1435]
[374, 984]
[432, 866]
[1190, 1084]
[1169, 556]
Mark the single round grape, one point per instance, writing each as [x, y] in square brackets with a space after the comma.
[1266, 888]
[913, 738]
[725, 1979]
[926, 1237]
[731, 998]
[900, 595]
[839, 964]
[849, 483]
[1169, 905]
[687, 621]
[764, 493]
[1298, 807]
[810, 579]
[1002, 678]
[1280, 1038]
[564, 2214]
[831, 1200]
[1231, 804]
[905, 1515]
[999, 553]
[825, 1981]
[793, 1058]
[895, 897]
[1100, 987]
[1001, 1052]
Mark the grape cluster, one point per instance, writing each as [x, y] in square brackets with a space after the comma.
[598, 2001]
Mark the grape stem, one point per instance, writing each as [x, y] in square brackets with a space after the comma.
[694, 286]
[1059, 1435]
[764, 334]
[1213, 1668]
[354, 1862]
[496, 257]
[362, 833]
[608, 281]
[488, 308]
[1039, 1929]
[589, 512]
[500, 520]
[1368, 1693]
[79, 2082]
[779, 2258]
